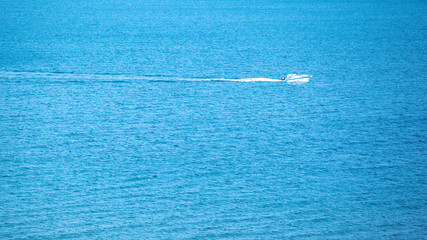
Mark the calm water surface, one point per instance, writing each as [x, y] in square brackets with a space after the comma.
[113, 126]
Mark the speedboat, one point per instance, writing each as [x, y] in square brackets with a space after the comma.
[296, 78]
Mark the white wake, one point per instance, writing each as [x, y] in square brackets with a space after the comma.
[112, 77]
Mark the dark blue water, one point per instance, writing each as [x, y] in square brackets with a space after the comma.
[112, 124]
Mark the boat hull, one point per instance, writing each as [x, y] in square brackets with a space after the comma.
[299, 79]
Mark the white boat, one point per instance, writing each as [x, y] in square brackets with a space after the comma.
[296, 78]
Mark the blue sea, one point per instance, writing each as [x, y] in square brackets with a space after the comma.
[129, 119]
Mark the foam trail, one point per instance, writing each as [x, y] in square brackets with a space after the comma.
[69, 76]
[223, 79]
[112, 77]
[256, 80]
